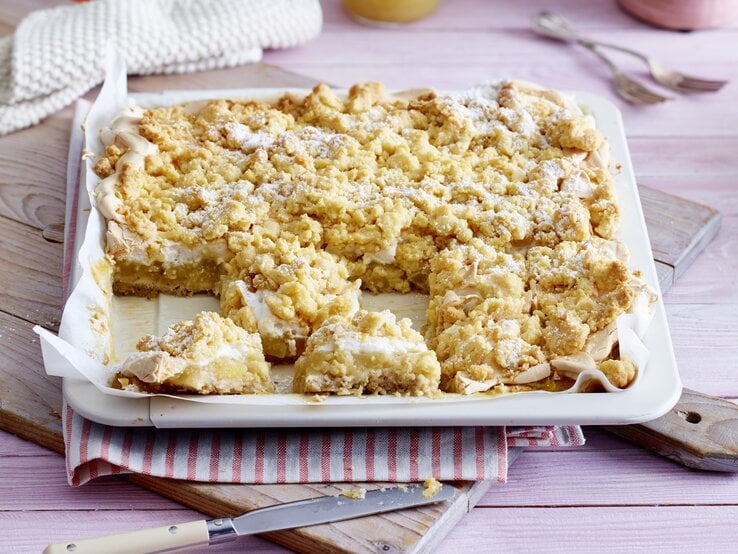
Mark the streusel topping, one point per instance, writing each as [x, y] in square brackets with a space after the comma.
[497, 201]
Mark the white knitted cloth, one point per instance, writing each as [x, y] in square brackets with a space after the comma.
[57, 55]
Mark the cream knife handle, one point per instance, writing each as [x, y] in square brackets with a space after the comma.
[160, 539]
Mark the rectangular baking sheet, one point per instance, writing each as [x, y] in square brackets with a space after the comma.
[655, 391]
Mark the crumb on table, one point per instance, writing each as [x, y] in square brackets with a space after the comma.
[432, 487]
[356, 493]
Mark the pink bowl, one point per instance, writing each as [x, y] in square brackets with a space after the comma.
[683, 15]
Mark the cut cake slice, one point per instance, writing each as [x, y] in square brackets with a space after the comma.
[210, 355]
[370, 353]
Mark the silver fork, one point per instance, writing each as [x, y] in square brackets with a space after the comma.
[629, 89]
[555, 26]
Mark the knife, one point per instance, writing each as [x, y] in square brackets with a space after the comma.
[302, 513]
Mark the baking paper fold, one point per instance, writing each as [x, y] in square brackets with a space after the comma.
[84, 344]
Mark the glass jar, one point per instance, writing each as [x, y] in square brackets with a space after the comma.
[389, 12]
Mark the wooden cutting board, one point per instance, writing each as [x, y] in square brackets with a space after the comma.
[32, 196]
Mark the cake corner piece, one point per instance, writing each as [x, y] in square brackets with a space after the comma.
[209, 355]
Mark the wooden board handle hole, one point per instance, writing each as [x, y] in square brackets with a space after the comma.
[690, 417]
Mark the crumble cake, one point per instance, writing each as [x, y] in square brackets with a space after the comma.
[210, 355]
[369, 353]
[497, 202]
[281, 289]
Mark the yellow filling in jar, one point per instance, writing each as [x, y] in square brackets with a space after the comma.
[390, 11]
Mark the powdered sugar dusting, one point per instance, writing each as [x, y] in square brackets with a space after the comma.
[520, 121]
[246, 138]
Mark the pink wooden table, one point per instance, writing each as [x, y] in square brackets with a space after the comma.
[608, 495]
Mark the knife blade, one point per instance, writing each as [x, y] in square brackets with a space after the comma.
[302, 513]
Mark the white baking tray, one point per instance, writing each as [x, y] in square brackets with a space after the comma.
[655, 391]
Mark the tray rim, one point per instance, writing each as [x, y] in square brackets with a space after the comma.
[643, 402]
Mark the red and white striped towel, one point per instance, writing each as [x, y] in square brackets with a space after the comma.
[301, 456]
[285, 456]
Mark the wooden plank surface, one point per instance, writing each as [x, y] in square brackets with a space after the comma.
[627, 529]
[674, 224]
[685, 147]
[679, 230]
[29, 281]
[700, 432]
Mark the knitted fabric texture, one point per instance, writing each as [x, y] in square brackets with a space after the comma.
[57, 55]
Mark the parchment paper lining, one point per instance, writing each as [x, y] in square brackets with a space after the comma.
[85, 342]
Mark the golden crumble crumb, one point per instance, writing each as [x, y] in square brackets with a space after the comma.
[431, 487]
[619, 372]
[356, 493]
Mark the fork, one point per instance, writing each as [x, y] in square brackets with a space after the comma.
[629, 89]
[555, 26]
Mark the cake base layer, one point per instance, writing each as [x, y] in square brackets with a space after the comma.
[137, 279]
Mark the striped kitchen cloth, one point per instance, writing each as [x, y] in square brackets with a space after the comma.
[263, 456]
